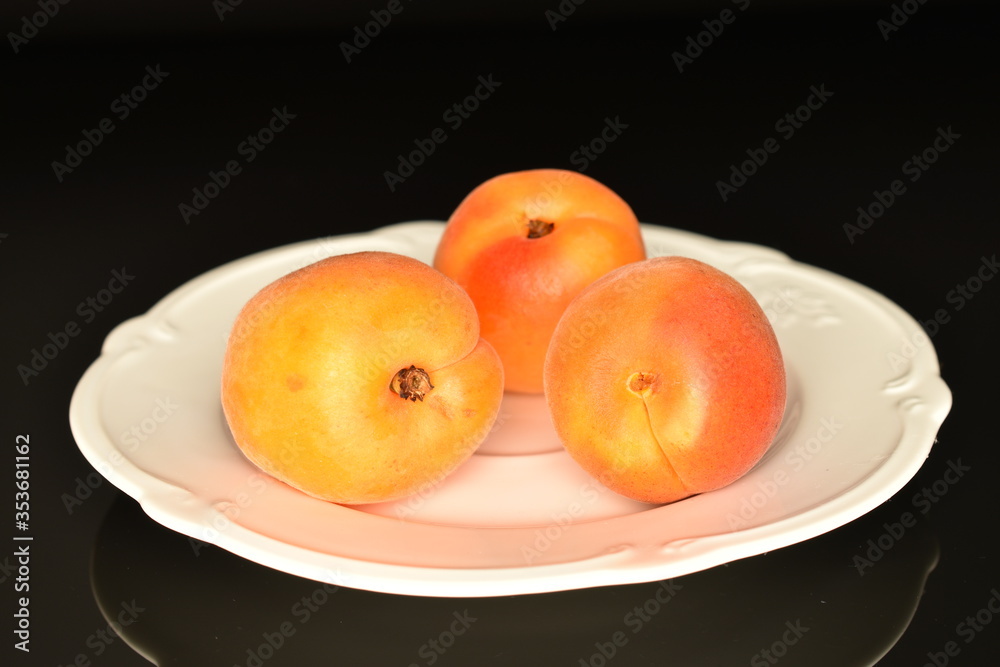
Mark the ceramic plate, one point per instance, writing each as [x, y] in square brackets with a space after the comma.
[865, 402]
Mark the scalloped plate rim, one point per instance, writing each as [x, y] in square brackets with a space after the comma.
[160, 499]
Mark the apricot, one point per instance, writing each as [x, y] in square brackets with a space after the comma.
[522, 245]
[361, 378]
[664, 379]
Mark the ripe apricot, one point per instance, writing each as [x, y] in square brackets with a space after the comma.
[664, 379]
[360, 378]
[523, 244]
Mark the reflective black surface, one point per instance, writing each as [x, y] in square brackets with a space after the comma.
[204, 606]
[899, 123]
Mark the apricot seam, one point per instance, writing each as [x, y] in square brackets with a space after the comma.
[666, 459]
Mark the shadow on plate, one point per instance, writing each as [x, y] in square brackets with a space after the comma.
[807, 604]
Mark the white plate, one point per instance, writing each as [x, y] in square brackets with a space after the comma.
[865, 403]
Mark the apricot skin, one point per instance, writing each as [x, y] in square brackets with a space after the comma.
[308, 374]
[664, 379]
[520, 275]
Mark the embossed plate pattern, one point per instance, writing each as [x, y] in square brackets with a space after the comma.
[865, 403]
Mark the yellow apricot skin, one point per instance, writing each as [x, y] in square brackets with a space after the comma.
[311, 384]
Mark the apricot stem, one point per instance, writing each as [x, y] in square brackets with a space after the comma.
[411, 383]
[539, 228]
[639, 383]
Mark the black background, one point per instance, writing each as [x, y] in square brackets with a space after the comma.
[324, 175]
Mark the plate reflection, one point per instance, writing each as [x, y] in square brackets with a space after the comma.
[837, 600]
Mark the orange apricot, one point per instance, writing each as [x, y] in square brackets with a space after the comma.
[664, 379]
[361, 378]
[522, 245]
